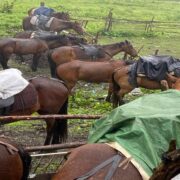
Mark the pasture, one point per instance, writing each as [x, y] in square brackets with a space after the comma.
[131, 19]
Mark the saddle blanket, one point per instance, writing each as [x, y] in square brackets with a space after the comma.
[11, 83]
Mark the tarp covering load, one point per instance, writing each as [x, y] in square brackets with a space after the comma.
[143, 127]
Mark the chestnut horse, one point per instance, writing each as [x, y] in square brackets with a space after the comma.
[122, 86]
[95, 72]
[56, 25]
[102, 53]
[15, 161]
[83, 163]
[50, 96]
[100, 161]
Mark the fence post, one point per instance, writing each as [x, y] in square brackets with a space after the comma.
[108, 23]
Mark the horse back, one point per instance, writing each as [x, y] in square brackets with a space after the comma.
[85, 158]
[52, 93]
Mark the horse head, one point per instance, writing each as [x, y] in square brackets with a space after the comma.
[78, 28]
[175, 81]
[129, 49]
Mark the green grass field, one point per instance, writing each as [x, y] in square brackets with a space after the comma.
[165, 34]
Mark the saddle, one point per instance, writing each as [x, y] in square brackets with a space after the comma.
[156, 67]
[19, 102]
[92, 51]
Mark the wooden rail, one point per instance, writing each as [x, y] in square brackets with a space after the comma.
[10, 119]
[54, 146]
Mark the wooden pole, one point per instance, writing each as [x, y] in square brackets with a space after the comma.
[10, 119]
[54, 146]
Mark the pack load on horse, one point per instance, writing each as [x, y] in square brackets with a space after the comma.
[129, 142]
[40, 94]
[50, 24]
[43, 10]
[148, 72]
[88, 53]
[50, 12]
[15, 161]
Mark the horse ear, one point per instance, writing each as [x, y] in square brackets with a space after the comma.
[126, 41]
[172, 145]
[171, 78]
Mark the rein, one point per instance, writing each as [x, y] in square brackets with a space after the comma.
[115, 160]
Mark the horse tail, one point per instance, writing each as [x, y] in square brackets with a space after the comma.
[115, 89]
[26, 160]
[52, 65]
[60, 132]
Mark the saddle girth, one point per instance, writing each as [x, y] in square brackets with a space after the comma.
[115, 160]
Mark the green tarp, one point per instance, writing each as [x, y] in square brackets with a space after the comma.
[143, 127]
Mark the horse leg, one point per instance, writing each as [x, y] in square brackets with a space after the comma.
[3, 61]
[110, 89]
[60, 132]
[49, 130]
[52, 66]
[35, 61]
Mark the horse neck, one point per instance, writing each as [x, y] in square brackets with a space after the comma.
[113, 49]
[63, 25]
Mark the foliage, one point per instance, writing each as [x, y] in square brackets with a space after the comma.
[7, 7]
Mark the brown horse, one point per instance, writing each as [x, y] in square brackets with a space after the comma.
[86, 158]
[55, 25]
[35, 46]
[100, 161]
[95, 72]
[58, 15]
[45, 96]
[15, 161]
[88, 53]
[122, 85]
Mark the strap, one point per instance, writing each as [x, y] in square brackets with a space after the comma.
[115, 159]
[9, 147]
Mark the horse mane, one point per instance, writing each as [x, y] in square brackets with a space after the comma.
[129, 61]
[51, 37]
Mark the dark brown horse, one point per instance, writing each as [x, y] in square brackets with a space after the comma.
[87, 157]
[35, 46]
[59, 15]
[15, 161]
[45, 96]
[88, 53]
[55, 25]
[122, 85]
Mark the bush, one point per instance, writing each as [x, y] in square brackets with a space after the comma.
[7, 7]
